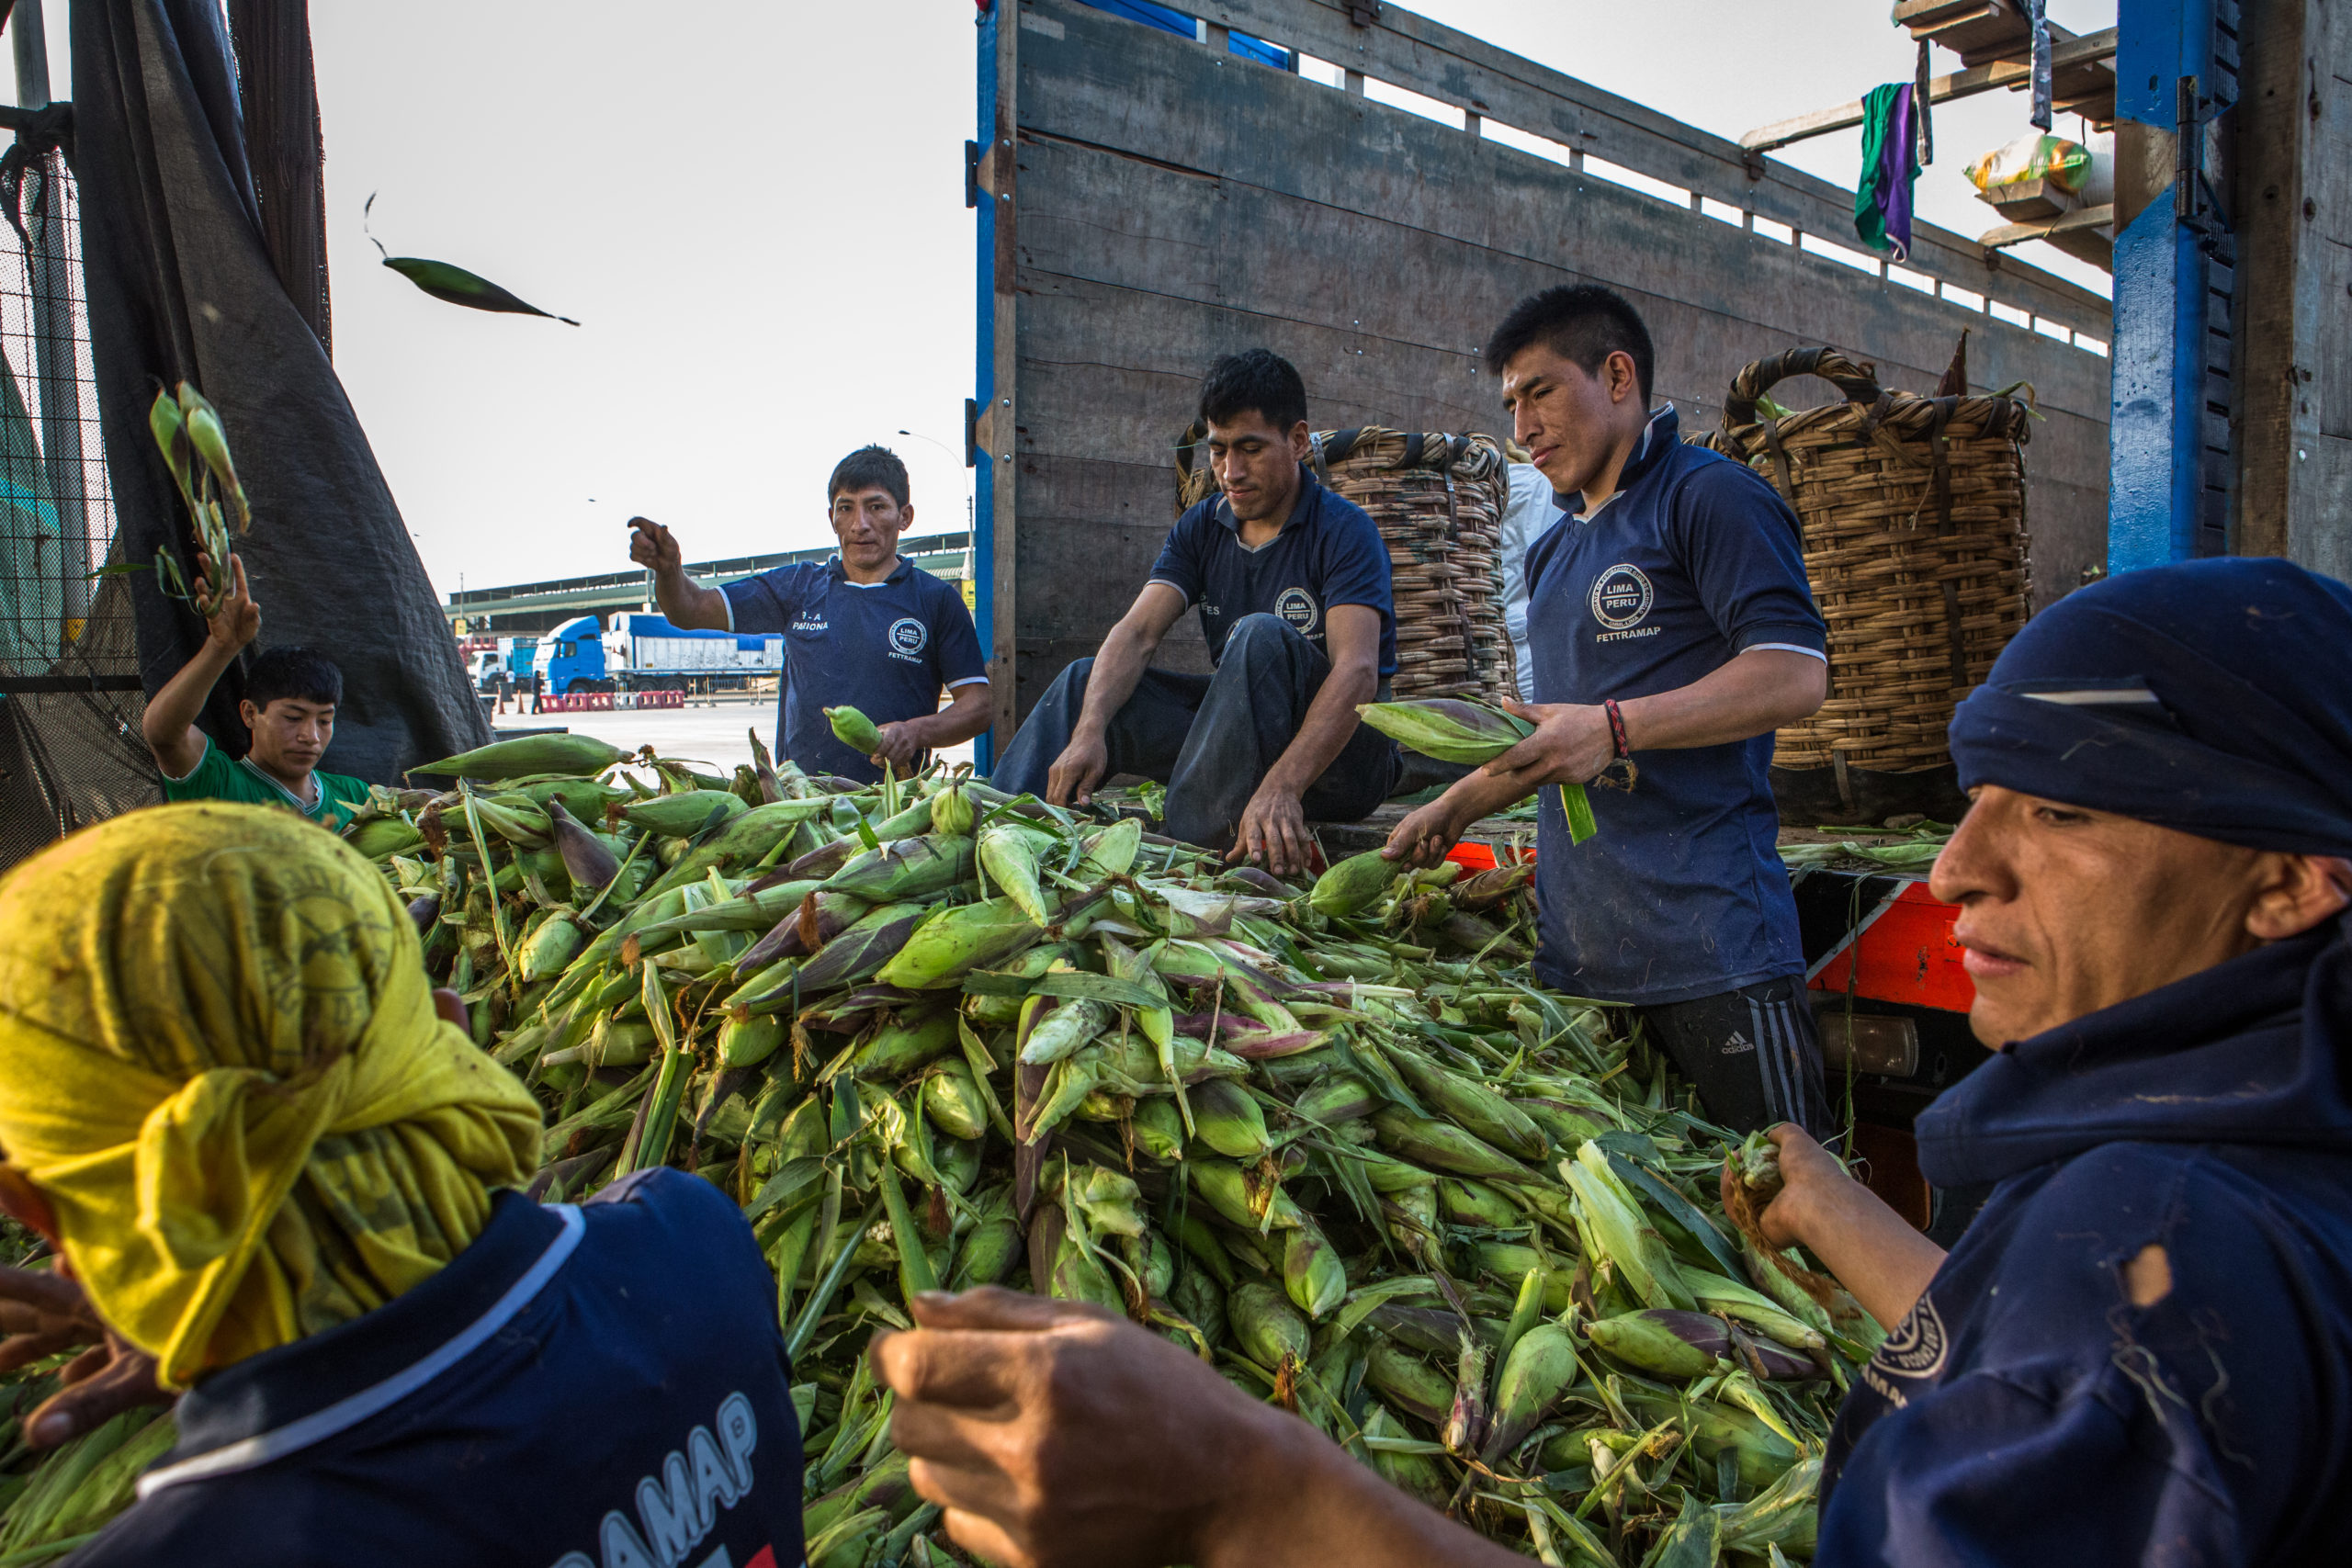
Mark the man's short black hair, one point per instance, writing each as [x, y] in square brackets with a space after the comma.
[1583, 323]
[869, 467]
[300, 673]
[1258, 380]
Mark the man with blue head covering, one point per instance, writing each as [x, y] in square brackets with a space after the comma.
[2140, 1352]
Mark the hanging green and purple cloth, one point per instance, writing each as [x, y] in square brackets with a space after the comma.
[1890, 162]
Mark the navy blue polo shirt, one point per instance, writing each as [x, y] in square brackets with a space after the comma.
[1681, 893]
[581, 1387]
[885, 649]
[1329, 552]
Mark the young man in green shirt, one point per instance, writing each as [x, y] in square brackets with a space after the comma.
[291, 697]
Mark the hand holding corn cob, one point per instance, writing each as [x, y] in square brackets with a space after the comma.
[188, 432]
[1123, 1452]
[236, 619]
[1455, 730]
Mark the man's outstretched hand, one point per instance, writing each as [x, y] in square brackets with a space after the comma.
[902, 745]
[1083, 764]
[236, 621]
[1272, 832]
[1871, 1250]
[652, 547]
[1056, 1435]
[43, 1313]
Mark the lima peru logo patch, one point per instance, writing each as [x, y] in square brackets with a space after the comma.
[1298, 606]
[908, 637]
[1622, 597]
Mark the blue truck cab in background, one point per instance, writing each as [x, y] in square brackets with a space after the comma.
[642, 651]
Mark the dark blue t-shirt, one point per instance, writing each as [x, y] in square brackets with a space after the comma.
[1329, 552]
[581, 1387]
[885, 650]
[1681, 893]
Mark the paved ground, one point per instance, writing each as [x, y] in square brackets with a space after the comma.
[711, 729]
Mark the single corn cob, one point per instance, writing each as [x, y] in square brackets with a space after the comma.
[854, 730]
[1352, 884]
[576, 754]
[1008, 855]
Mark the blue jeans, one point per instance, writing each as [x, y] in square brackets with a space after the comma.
[1210, 738]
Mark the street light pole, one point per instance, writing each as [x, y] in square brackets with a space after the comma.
[970, 520]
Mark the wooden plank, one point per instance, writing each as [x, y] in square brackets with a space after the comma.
[1117, 84]
[2328, 385]
[1002, 302]
[1436, 288]
[1412, 51]
[2273, 321]
[2323, 537]
[2092, 218]
[1968, 83]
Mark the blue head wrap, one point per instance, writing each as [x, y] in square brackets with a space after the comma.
[2212, 696]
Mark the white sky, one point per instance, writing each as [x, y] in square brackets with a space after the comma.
[756, 209]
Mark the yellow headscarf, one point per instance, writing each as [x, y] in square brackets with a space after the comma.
[219, 1061]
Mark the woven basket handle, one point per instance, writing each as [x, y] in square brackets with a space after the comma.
[1859, 385]
[1187, 443]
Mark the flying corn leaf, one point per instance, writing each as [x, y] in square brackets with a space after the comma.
[458, 286]
[455, 283]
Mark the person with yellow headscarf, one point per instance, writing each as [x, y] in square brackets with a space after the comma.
[286, 1184]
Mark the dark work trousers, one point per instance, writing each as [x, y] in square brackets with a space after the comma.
[1210, 738]
[1754, 1055]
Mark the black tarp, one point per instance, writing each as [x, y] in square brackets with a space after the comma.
[180, 286]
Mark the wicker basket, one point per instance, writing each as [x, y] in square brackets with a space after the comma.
[1438, 501]
[1915, 539]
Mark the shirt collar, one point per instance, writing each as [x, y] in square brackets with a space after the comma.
[306, 1376]
[307, 807]
[840, 573]
[1659, 436]
[1309, 493]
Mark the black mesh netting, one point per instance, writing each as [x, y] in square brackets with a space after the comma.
[70, 750]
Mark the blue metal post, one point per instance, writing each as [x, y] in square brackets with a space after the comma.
[2155, 482]
[992, 18]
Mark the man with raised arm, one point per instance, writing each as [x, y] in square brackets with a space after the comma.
[867, 629]
[1292, 584]
[288, 703]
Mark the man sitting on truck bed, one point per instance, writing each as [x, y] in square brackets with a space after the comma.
[1292, 586]
[866, 629]
[289, 708]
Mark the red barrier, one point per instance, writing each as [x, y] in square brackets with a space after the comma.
[610, 702]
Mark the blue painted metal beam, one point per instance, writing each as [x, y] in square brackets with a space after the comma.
[992, 18]
[2156, 481]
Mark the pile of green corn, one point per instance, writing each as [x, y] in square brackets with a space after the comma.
[1330, 1138]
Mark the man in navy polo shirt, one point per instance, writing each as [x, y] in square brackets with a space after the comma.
[1291, 583]
[1670, 625]
[864, 629]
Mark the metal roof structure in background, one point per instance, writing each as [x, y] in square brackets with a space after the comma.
[526, 607]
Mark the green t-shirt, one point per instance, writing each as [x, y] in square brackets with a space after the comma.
[218, 778]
